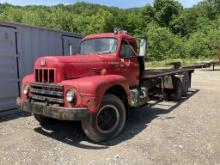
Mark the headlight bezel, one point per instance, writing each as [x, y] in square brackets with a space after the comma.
[25, 89]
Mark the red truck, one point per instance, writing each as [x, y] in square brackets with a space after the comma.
[99, 85]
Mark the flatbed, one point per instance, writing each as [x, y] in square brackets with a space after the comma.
[205, 64]
[156, 73]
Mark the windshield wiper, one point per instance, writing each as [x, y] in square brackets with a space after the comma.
[105, 52]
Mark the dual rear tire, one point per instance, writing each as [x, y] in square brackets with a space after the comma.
[185, 84]
[176, 95]
[181, 87]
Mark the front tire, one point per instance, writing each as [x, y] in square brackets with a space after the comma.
[108, 121]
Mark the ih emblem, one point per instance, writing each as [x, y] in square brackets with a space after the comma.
[42, 63]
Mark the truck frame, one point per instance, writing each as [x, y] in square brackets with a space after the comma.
[99, 85]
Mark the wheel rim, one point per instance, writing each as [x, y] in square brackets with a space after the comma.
[107, 119]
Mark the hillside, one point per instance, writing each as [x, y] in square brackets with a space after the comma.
[173, 31]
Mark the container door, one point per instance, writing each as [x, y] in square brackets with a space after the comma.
[8, 69]
[70, 45]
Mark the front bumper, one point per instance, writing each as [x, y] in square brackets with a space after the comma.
[54, 112]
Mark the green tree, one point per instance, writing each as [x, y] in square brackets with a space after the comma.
[148, 14]
[205, 42]
[13, 14]
[35, 17]
[101, 22]
[185, 23]
[166, 10]
[209, 8]
[162, 43]
[133, 22]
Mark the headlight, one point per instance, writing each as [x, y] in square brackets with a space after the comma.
[25, 89]
[70, 96]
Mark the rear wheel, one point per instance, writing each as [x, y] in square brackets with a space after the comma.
[43, 120]
[176, 95]
[185, 84]
[108, 122]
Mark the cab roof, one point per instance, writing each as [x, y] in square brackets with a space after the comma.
[113, 35]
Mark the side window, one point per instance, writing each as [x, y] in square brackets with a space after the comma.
[126, 50]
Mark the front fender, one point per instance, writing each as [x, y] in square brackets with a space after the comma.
[90, 90]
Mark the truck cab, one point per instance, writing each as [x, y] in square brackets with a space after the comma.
[96, 86]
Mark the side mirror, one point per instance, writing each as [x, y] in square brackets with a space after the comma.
[143, 47]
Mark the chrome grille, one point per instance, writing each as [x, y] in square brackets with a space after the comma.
[45, 75]
[48, 93]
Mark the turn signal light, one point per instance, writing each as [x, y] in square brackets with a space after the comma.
[103, 72]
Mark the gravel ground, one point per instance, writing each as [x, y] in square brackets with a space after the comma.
[187, 132]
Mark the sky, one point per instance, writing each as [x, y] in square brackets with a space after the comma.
[116, 3]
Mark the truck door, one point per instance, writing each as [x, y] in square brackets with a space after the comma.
[129, 64]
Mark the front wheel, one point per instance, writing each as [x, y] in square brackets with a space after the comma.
[108, 121]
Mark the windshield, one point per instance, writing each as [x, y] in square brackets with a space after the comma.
[99, 46]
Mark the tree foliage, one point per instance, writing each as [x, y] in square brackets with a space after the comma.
[166, 10]
[163, 46]
[173, 31]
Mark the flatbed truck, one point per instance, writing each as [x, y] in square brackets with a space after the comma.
[99, 85]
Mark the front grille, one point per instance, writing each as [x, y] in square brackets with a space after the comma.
[47, 93]
[45, 75]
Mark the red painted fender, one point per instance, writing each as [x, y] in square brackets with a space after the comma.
[90, 90]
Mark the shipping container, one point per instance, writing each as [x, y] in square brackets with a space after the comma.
[20, 45]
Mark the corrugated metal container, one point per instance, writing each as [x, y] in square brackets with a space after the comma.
[20, 45]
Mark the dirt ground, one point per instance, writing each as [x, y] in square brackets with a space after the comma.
[187, 132]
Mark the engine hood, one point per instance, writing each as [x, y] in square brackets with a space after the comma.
[70, 67]
[71, 59]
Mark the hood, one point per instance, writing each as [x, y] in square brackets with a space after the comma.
[70, 67]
